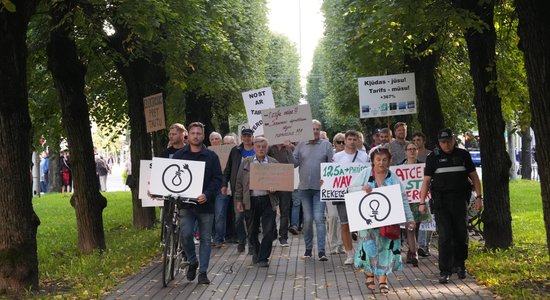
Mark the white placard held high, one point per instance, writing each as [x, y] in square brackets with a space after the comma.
[292, 123]
[390, 95]
[254, 102]
[145, 167]
[179, 177]
[383, 206]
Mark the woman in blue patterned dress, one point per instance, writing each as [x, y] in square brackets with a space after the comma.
[378, 255]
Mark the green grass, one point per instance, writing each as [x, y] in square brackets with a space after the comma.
[523, 271]
[64, 273]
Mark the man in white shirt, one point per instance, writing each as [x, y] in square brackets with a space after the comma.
[350, 155]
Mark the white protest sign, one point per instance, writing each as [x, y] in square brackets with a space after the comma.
[412, 176]
[336, 178]
[389, 95]
[291, 123]
[145, 167]
[183, 178]
[254, 102]
[383, 206]
[428, 226]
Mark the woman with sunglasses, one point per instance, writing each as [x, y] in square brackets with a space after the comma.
[412, 235]
[379, 255]
[338, 142]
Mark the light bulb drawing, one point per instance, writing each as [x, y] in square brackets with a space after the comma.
[177, 179]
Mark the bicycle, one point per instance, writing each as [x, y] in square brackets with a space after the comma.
[174, 260]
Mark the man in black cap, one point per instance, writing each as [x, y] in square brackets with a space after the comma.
[237, 154]
[450, 174]
[375, 137]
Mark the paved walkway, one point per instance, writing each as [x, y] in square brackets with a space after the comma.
[291, 277]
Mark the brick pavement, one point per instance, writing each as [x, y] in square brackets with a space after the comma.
[291, 277]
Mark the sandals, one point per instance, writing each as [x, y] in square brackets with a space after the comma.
[383, 286]
[370, 282]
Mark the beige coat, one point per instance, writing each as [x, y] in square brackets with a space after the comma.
[242, 192]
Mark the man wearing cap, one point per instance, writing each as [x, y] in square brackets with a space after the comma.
[236, 155]
[449, 174]
[375, 137]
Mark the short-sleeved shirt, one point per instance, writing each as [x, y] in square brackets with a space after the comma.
[343, 157]
[449, 172]
[398, 152]
[309, 156]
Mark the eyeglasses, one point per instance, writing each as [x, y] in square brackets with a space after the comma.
[412, 149]
[340, 142]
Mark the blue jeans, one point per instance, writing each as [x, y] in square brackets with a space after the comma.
[220, 216]
[424, 239]
[188, 218]
[295, 210]
[314, 210]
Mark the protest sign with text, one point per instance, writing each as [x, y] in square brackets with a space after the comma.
[336, 178]
[153, 107]
[389, 95]
[411, 176]
[254, 102]
[383, 206]
[292, 123]
[276, 177]
[145, 167]
[177, 177]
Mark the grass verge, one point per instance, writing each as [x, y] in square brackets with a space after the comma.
[523, 271]
[64, 273]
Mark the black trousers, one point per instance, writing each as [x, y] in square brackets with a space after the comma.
[261, 212]
[451, 219]
[285, 202]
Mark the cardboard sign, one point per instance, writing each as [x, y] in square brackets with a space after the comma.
[390, 95]
[336, 179]
[254, 102]
[412, 177]
[383, 206]
[177, 177]
[291, 123]
[223, 153]
[145, 167]
[278, 177]
[154, 112]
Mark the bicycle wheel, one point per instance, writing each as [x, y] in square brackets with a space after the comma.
[168, 259]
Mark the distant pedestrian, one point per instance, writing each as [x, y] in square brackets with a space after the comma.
[65, 172]
[102, 170]
[44, 166]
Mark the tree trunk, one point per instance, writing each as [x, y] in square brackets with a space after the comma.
[198, 108]
[54, 177]
[430, 114]
[18, 221]
[68, 74]
[526, 167]
[143, 76]
[495, 161]
[534, 32]
[511, 150]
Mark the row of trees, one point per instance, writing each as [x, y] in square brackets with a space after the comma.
[469, 72]
[103, 58]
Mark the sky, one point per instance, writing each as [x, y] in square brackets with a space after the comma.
[305, 32]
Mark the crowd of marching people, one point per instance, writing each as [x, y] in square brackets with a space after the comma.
[230, 212]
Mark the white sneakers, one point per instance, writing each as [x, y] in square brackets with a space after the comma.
[349, 260]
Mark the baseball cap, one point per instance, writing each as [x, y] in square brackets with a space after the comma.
[247, 131]
[376, 131]
[445, 134]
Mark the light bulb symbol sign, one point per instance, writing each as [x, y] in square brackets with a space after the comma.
[374, 206]
[177, 179]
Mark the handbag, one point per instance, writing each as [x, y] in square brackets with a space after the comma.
[391, 232]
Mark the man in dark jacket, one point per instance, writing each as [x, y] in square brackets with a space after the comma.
[203, 213]
[237, 154]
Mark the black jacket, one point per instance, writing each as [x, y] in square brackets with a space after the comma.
[232, 166]
[212, 174]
